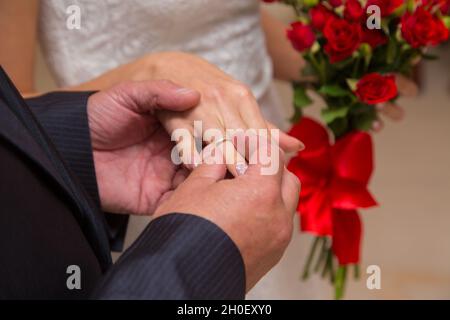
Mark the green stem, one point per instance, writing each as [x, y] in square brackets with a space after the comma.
[355, 67]
[298, 10]
[319, 67]
[339, 282]
[328, 267]
[310, 258]
[357, 271]
[322, 255]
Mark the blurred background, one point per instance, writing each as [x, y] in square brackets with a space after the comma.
[408, 236]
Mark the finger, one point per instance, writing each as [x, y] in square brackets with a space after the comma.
[287, 142]
[406, 86]
[188, 152]
[391, 110]
[183, 134]
[164, 198]
[377, 125]
[254, 119]
[147, 96]
[290, 190]
[236, 163]
[251, 114]
[207, 173]
[232, 157]
[180, 175]
[266, 158]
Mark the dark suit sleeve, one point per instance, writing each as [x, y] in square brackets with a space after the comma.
[64, 117]
[178, 256]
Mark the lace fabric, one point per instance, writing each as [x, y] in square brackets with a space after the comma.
[114, 32]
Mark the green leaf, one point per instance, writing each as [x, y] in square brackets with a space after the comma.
[301, 98]
[331, 114]
[339, 127]
[315, 47]
[366, 52]
[310, 3]
[352, 83]
[334, 91]
[406, 46]
[385, 25]
[363, 117]
[399, 11]
[446, 20]
[298, 113]
[410, 5]
[344, 63]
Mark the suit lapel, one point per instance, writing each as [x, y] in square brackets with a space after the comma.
[13, 130]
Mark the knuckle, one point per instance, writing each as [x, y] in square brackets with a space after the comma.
[122, 90]
[271, 194]
[213, 91]
[242, 91]
[284, 234]
[296, 181]
[125, 85]
[164, 82]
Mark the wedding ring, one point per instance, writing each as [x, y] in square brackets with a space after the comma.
[220, 141]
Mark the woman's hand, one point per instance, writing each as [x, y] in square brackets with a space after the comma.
[225, 102]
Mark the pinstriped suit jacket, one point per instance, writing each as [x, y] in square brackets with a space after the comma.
[50, 219]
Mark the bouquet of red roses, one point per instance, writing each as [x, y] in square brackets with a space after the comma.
[354, 48]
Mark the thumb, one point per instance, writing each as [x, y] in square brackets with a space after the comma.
[148, 96]
[210, 171]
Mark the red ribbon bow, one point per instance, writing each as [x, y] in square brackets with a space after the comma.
[334, 184]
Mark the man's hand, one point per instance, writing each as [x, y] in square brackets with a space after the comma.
[255, 210]
[131, 149]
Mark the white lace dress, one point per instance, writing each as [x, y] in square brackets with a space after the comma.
[226, 33]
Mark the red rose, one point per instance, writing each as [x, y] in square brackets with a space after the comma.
[421, 28]
[443, 5]
[342, 37]
[353, 10]
[373, 37]
[387, 7]
[302, 37]
[335, 3]
[374, 88]
[319, 16]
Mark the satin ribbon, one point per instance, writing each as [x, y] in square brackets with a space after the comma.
[334, 181]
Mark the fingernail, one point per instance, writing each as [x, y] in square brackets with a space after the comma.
[183, 91]
[300, 145]
[241, 168]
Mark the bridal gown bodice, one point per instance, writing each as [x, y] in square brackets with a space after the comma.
[225, 32]
[114, 32]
